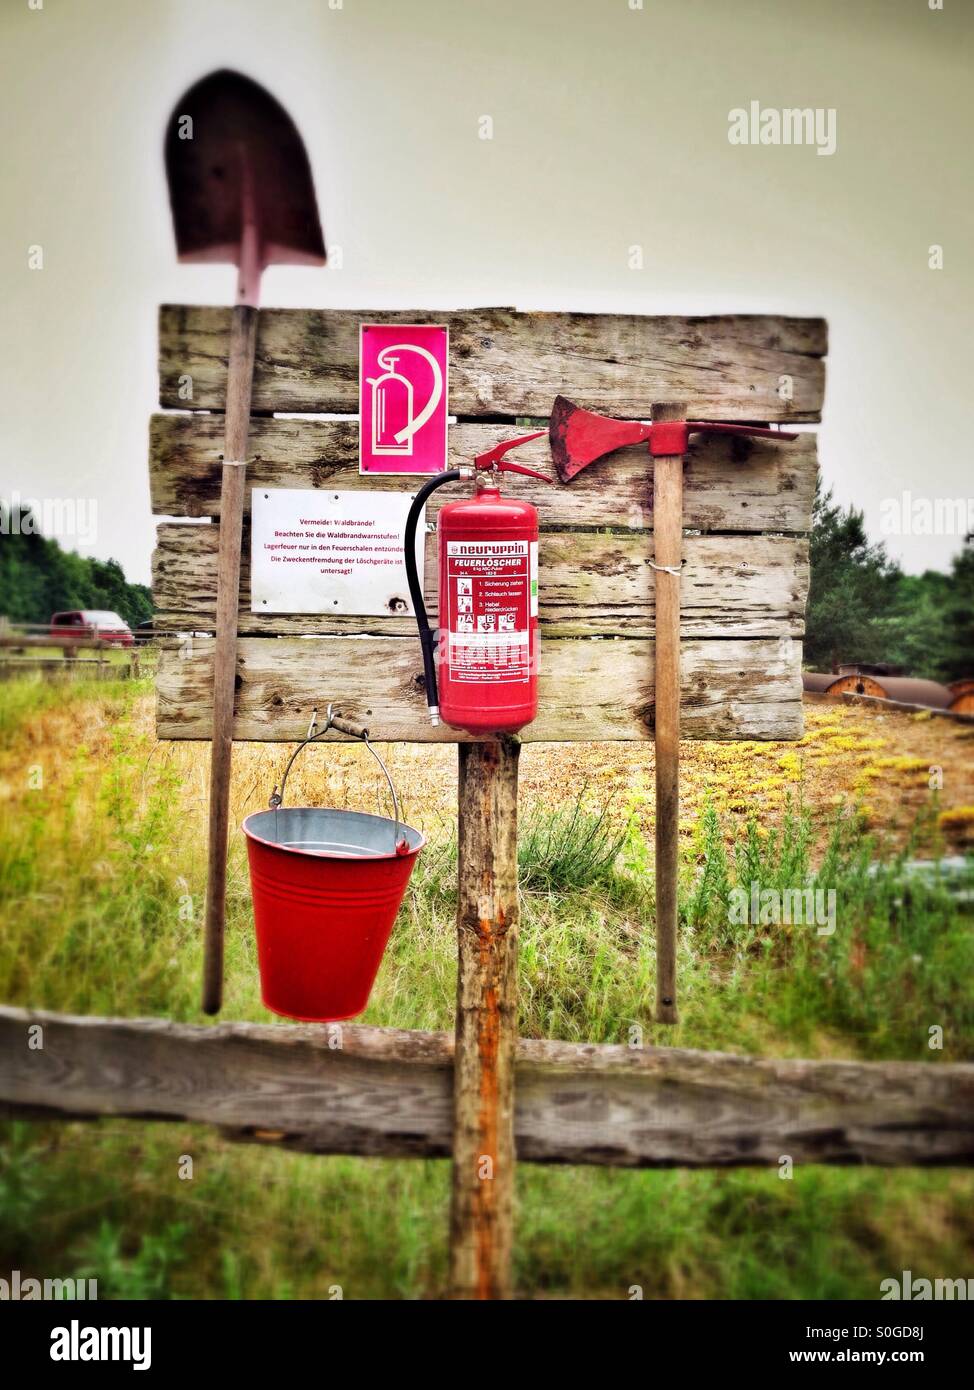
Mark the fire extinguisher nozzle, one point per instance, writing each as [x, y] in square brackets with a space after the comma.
[434, 715]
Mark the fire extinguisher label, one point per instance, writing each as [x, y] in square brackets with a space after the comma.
[491, 594]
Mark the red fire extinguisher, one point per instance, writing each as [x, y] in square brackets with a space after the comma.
[485, 679]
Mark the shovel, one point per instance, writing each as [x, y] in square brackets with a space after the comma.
[241, 191]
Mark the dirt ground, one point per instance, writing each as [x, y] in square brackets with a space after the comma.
[893, 765]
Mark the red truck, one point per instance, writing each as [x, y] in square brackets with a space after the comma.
[87, 624]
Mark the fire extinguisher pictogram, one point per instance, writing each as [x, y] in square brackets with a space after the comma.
[484, 676]
[395, 421]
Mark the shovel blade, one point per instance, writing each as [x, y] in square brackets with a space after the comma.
[238, 172]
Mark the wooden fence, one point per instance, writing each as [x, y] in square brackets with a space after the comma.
[18, 641]
[389, 1093]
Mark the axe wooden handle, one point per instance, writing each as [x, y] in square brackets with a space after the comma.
[240, 377]
[668, 544]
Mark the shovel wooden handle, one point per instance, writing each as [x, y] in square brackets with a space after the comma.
[240, 377]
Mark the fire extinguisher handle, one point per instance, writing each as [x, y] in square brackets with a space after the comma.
[491, 458]
[506, 467]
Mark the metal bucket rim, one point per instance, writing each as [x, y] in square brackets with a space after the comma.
[411, 851]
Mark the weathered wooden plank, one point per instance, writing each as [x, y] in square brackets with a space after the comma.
[385, 1092]
[729, 484]
[589, 689]
[591, 583]
[503, 362]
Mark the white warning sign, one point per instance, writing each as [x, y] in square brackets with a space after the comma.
[313, 551]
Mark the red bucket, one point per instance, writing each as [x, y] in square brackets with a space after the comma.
[327, 885]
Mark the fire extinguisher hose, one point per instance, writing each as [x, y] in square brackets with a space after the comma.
[426, 640]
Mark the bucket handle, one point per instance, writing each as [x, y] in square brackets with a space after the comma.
[337, 721]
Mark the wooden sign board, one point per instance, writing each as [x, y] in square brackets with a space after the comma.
[747, 513]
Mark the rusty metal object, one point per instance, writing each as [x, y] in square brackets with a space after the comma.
[908, 690]
[901, 690]
[857, 685]
[818, 682]
[961, 695]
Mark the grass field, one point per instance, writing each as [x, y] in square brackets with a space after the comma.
[101, 880]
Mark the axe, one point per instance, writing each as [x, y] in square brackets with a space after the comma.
[578, 438]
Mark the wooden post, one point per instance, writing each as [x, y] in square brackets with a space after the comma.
[482, 1209]
[240, 375]
[668, 541]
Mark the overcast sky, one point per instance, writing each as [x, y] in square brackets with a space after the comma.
[610, 130]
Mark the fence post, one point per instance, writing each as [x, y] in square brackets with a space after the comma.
[482, 1208]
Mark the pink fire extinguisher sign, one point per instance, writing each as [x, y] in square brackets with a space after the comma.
[403, 370]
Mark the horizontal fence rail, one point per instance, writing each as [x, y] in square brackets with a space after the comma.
[385, 1092]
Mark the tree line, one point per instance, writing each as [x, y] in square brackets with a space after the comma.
[861, 606]
[38, 578]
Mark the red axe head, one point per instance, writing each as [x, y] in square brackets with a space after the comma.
[579, 437]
